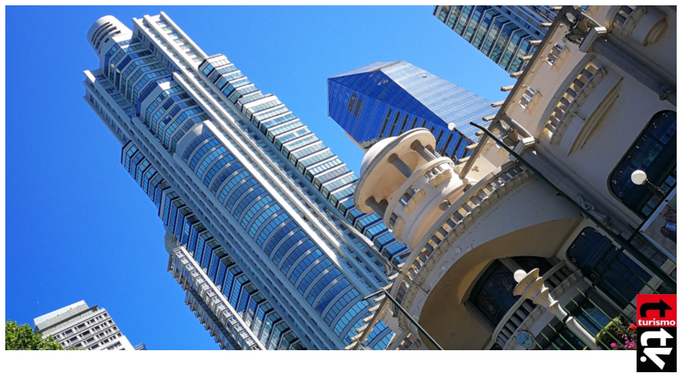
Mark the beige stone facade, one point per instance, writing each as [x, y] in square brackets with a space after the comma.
[596, 101]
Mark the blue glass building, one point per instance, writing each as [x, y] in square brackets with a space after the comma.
[385, 99]
[244, 189]
[502, 33]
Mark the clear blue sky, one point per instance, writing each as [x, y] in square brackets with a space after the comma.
[79, 228]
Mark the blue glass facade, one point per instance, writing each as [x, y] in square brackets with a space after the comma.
[297, 144]
[205, 249]
[386, 99]
[502, 33]
[177, 108]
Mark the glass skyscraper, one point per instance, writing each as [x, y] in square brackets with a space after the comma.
[502, 33]
[257, 209]
[385, 99]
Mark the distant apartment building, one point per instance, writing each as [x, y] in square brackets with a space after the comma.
[82, 327]
[385, 99]
[502, 33]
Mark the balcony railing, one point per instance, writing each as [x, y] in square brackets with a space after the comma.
[477, 198]
[567, 106]
[214, 300]
[622, 15]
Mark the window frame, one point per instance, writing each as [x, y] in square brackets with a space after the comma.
[662, 166]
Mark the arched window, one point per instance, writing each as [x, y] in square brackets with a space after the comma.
[654, 153]
[492, 293]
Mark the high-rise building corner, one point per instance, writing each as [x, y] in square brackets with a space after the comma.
[502, 33]
[80, 326]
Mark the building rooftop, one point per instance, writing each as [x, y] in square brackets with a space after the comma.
[60, 314]
[367, 68]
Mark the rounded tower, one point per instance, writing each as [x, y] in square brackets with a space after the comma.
[104, 29]
[408, 184]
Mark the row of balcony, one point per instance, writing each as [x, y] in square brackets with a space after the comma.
[211, 296]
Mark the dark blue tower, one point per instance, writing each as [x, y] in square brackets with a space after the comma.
[385, 99]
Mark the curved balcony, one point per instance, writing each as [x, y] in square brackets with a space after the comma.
[645, 24]
[417, 194]
[462, 213]
[433, 173]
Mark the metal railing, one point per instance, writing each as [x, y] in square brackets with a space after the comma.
[204, 290]
[594, 307]
[616, 334]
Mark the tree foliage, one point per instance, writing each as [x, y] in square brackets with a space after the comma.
[22, 337]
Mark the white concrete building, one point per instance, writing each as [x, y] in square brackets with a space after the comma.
[82, 327]
[595, 102]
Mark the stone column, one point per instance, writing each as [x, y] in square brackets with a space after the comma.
[531, 286]
[376, 207]
[421, 150]
[400, 165]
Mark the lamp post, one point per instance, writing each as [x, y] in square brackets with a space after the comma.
[639, 177]
[412, 320]
[531, 286]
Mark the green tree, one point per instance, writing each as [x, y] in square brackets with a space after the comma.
[22, 337]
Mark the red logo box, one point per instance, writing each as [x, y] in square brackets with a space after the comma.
[656, 333]
[656, 310]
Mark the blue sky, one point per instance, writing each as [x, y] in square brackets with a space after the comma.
[79, 228]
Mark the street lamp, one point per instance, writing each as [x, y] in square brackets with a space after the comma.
[639, 177]
[401, 309]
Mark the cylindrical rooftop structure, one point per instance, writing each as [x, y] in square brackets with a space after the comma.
[105, 28]
[403, 180]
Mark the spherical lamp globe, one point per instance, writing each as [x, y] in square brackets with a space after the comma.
[638, 177]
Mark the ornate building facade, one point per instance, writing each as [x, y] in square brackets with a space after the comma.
[548, 186]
